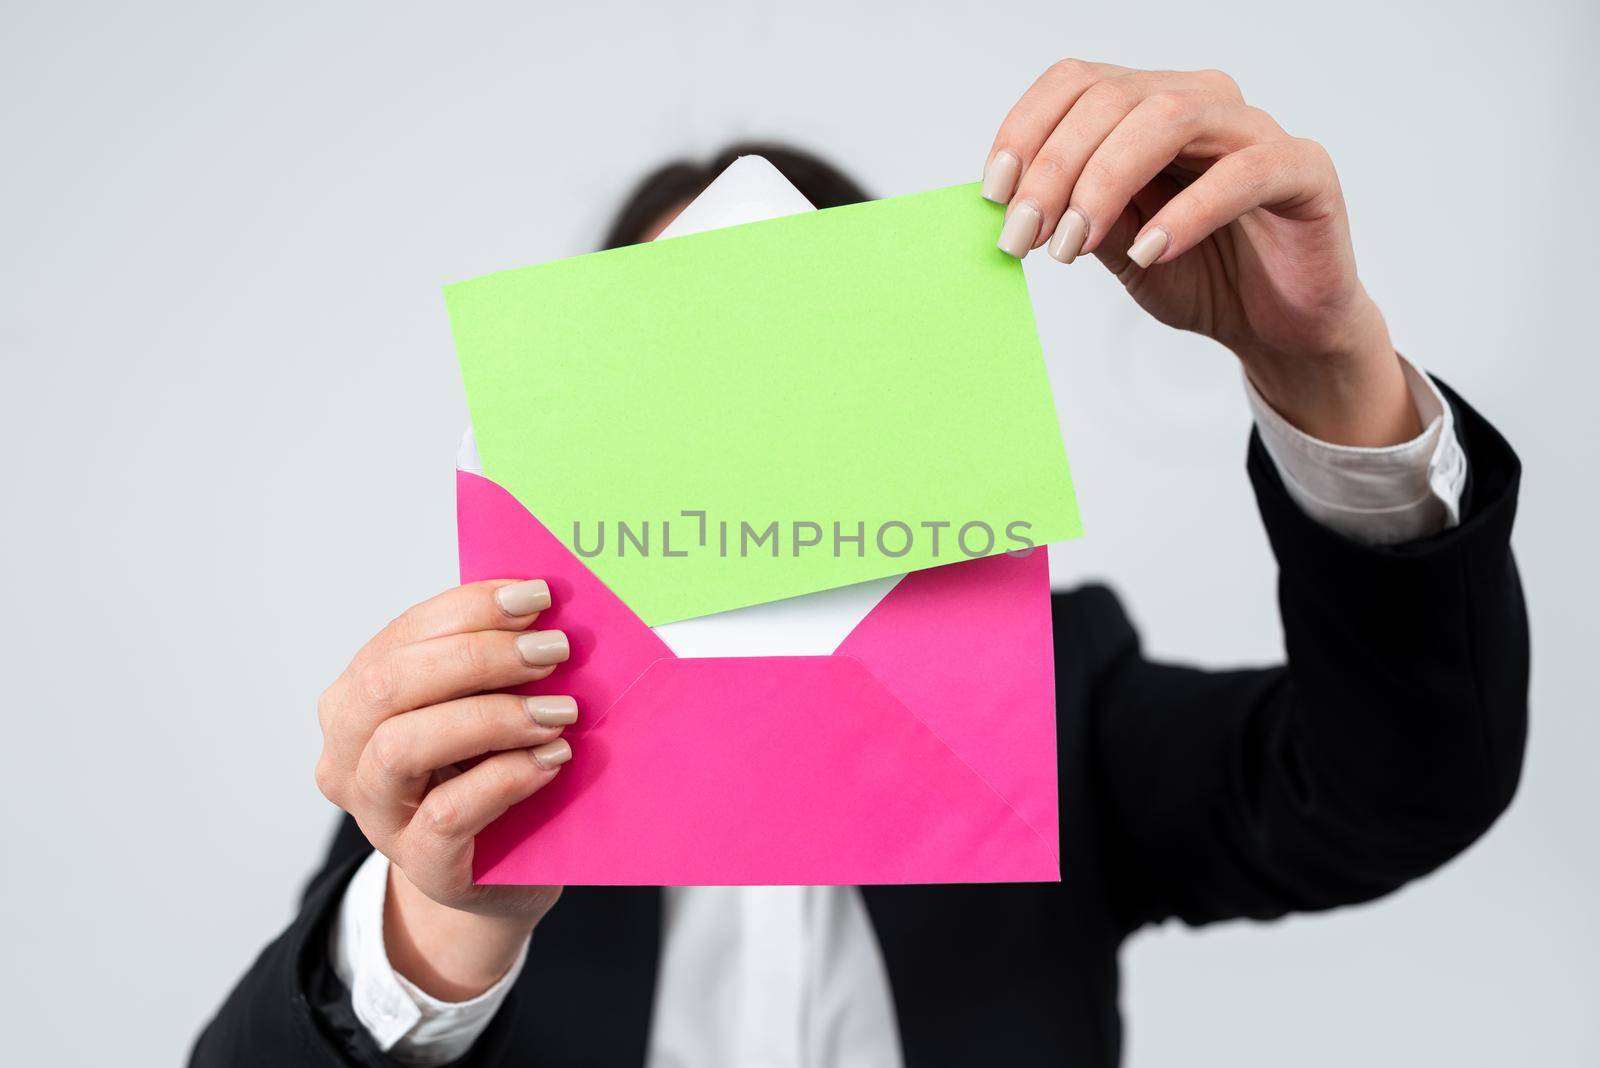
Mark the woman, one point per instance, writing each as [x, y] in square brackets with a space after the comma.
[1390, 739]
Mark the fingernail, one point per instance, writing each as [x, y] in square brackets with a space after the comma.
[542, 648]
[1149, 247]
[1000, 176]
[523, 598]
[1070, 234]
[552, 754]
[1021, 228]
[552, 711]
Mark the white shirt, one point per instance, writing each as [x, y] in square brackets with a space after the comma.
[791, 976]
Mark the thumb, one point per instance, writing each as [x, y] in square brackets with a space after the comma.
[1113, 247]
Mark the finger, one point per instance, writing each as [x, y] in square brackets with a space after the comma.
[1113, 250]
[435, 851]
[494, 604]
[1287, 176]
[1042, 194]
[1030, 120]
[1036, 212]
[442, 669]
[1120, 135]
[414, 676]
[405, 750]
[1165, 127]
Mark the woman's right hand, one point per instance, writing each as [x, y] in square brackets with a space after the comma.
[414, 704]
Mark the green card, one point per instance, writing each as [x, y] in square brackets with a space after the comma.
[738, 416]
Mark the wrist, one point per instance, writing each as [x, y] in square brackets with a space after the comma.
[448, 953]
[1350, 389]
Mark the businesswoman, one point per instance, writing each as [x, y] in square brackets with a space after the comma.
[1390, 739]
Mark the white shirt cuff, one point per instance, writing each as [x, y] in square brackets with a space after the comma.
[406, 1023]
[1379, 496]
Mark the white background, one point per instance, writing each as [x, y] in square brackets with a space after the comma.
[229, 410]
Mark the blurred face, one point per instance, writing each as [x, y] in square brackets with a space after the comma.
[661, 222]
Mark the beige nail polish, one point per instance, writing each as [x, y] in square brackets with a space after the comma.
[552, 754]
[1021, 228]
[523, 598]
[552, 711]
[1071, 232]
[542, 648]
[1000, 176]
[1149, 247]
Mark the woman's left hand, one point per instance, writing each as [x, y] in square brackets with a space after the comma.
[1215, 220]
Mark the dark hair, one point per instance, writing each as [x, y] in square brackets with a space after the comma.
[681, 181]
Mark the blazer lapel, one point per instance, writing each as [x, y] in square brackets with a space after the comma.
[586, 993]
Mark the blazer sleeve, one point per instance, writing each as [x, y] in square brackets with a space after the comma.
[1390, 739]
[291, 1008]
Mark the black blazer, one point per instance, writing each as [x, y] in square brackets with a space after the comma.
[1390, 740]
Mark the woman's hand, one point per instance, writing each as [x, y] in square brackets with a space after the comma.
[1215, 220]
[410, 708]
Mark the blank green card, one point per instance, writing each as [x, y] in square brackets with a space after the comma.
[831, 397]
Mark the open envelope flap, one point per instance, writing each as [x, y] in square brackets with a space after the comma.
[769, 770]
[500, 539]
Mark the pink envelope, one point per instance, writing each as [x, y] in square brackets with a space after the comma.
[923, 750]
